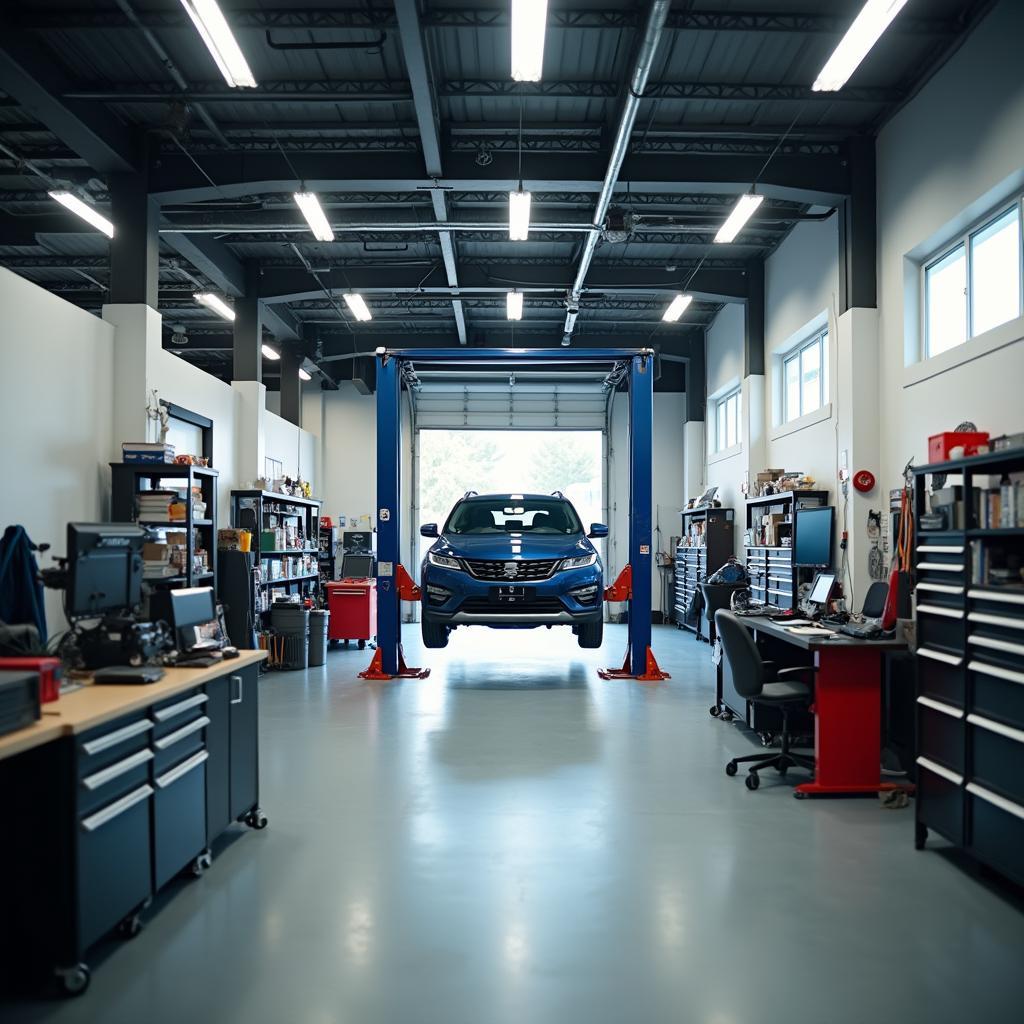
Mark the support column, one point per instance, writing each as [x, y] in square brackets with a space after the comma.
[389, 527]
[858, 286]
[641, 440]
[248, 355]
[135, 247]
[291, 386]
[753, 321]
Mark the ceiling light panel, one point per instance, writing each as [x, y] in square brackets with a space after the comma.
[215, 32]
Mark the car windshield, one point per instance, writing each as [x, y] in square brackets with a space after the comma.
[513, 514]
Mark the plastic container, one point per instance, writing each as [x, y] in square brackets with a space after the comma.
[292, 622]
[49, 674]
[318, 622]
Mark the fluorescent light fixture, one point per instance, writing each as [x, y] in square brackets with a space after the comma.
[311, 209]
[85, 211]
[676, 308]
[220, 41]
[518, 216]
[741, 213]
[270, 353]
[514, 305]
[529, 20]
[216, 303]
[874, 18]
[303, 375]
[357, 304]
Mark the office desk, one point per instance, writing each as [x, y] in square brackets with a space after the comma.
[847, 708]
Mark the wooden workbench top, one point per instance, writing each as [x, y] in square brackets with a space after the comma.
[95, 704]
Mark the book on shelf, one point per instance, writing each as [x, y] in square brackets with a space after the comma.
[147, 451]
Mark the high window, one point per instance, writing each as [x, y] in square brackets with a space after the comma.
[805, 377]
[727, 420]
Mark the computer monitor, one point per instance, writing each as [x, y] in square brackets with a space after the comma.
[822, 587]
[104, 568]
[186, 610]
[356, 567]
[812, 541]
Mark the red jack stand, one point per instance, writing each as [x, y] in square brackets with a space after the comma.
[622, 588]
[651, 674]
[375, 671]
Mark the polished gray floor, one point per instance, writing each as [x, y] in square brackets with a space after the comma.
[513, 840]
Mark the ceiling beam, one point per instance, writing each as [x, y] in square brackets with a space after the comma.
[29, 74]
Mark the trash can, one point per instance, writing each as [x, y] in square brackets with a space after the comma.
[318, 621]
[291, 621]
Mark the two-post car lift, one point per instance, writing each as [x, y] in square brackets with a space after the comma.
[393, 582]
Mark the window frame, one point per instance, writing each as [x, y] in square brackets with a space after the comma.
[964, 239]
[818, 338]
[734, 394]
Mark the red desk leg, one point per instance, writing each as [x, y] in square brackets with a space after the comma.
[847, 720]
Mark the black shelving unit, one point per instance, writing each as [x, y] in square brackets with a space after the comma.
[705, 545]
[970, 672]
[774, 579]
[130, 479]
[251, 510]
[329, 539]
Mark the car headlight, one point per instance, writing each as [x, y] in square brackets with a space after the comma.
[443, 560]
[580, 562]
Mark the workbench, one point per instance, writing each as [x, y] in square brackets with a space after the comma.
[113, 792]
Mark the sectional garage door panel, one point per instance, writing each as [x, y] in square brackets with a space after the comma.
[551, 409]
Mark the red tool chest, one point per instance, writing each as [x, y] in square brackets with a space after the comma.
[353, 607]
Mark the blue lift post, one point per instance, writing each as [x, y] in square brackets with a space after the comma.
[388, 660]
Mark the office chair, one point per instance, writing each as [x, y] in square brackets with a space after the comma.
[716, 596]
[874, 600]
[759, 681]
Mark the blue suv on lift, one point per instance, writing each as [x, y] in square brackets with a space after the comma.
[513, 561]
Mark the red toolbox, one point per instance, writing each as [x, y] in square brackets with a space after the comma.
[939, 445]
[353, 607]
[49, 674]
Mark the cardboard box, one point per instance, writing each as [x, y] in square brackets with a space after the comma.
[156, 552]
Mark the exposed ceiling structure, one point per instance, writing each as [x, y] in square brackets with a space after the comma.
[405, 120]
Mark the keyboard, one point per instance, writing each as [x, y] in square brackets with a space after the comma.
[862, 630]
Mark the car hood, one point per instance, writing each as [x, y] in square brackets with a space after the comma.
[499, 546]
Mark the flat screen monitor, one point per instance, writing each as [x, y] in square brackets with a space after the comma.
[813, 537]
[191, 612]
[357, 567]
[822, 587]
[104, 568]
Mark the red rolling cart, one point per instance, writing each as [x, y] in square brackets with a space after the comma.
[353, 607]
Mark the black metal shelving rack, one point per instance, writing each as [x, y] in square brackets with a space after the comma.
[695, 561]
[774, 579]
[328, 557]
[306, 511]
[970, 674]
[129, 479]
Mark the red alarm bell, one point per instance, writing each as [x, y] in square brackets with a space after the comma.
[864, 480]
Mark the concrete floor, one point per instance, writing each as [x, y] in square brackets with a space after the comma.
[513, 840]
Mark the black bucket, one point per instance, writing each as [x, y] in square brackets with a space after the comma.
[318, 621]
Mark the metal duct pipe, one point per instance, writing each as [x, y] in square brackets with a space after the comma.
[637, 83]
[415, 227]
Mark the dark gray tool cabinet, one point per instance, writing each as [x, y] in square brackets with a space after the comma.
[101, 820]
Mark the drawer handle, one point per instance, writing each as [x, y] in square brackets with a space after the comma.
[936, 705]
[997, 801]
[940, 567]
[993, 670]
[940, 588]
[241, 689]
[117, 736]
[944, 773]
[997, 727]
[182, 706]
[991, 595]
[186, 730]
[941, 549]
[996, 620]
[101, 778]
[117, 808]
[935, 609]
[996, 645]
[946, 659]
[168, 778]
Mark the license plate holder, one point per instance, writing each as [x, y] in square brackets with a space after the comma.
[511, 594]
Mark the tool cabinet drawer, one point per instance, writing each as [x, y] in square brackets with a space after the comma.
[940, 675]
[185, 740]
[998, 691]
[112, 742]
[169, 716]
[179, 816]
[114, 876]
[940, 733]
[997, 756]
[106, 784]
[996, 830]
[940, 799]
[940, 628]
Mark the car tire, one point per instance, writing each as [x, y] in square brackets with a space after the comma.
[435, 635]
[590, 634]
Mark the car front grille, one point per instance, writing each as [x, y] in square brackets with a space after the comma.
[526, 569]
[526, 605]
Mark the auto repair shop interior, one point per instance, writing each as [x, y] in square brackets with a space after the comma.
[512, 511]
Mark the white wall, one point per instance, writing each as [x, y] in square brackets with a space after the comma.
[956, 144]
[56, 416]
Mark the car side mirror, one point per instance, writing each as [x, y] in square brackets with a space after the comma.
[597, 530]
[428, 530]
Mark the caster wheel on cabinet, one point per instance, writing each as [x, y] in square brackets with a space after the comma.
[725, 716]
[130, 927]
[752, 781]
[731, 768]
[362, 645]
[73, 981]
[714, 711]
[256, 819]
[201, 864]
[797, 795]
